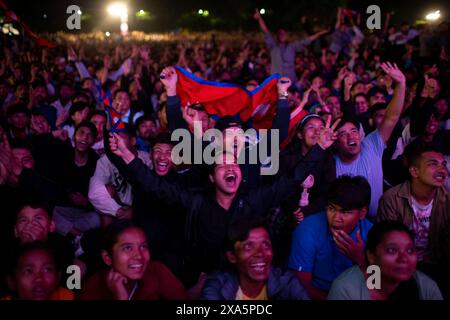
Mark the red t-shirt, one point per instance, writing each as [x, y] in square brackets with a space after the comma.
[158, 283]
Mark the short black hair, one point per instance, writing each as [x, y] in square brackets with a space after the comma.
[415, 152]
[64, 83]
[374, 90]
[348, 119]
[16, 253]
[356, 83]
[97, 112]
[17, 108]
[239, 229]
[38, 83]
[164, 138]
[361, 94]
[350, 192]
[86, 79]
[76, 107]
[20, 83]
[379, 231]
[21, 144]
[376, 107]
[80, 93]
[120, 90]
[33, 202]
[143, 118]
[86, 124]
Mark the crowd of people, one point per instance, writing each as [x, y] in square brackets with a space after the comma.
[363, 178]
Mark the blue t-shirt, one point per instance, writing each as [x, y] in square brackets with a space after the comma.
[314, 250]
[369, 165]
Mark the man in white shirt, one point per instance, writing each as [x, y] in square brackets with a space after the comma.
[109, 192]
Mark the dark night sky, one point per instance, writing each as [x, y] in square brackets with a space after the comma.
[232, 13]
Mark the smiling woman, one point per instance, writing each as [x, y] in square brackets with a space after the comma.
[131, 274]
[389, 246]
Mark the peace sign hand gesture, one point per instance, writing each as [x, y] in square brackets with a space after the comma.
[328, 135]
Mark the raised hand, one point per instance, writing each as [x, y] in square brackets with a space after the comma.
[257, 15]
[127, 65]
[283, 85]
[354, 250]
[169, 79]
[394, 72]
[305, 98]
[107, 62]
[349, 80]
[144, 53]
[328, 134]
[71, 54]
[118, 146]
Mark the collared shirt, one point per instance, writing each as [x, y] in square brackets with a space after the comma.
[314, 250]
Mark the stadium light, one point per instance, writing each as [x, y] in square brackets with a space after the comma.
[433, 16]
[119, 9]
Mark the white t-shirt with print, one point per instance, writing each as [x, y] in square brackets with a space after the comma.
[421, 226]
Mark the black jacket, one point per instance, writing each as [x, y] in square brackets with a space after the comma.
[206, 221]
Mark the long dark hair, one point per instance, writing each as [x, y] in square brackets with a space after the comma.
[113, 231]
[406, 290]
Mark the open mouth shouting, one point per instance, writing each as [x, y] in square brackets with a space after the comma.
[230, 178]
[162, 166]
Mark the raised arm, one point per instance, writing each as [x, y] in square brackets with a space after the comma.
[262, 24]
[169, 79]
[271, 196]
[139, 174]
[395, 107]
[283, 115]
[317, 35]
[338, 18]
